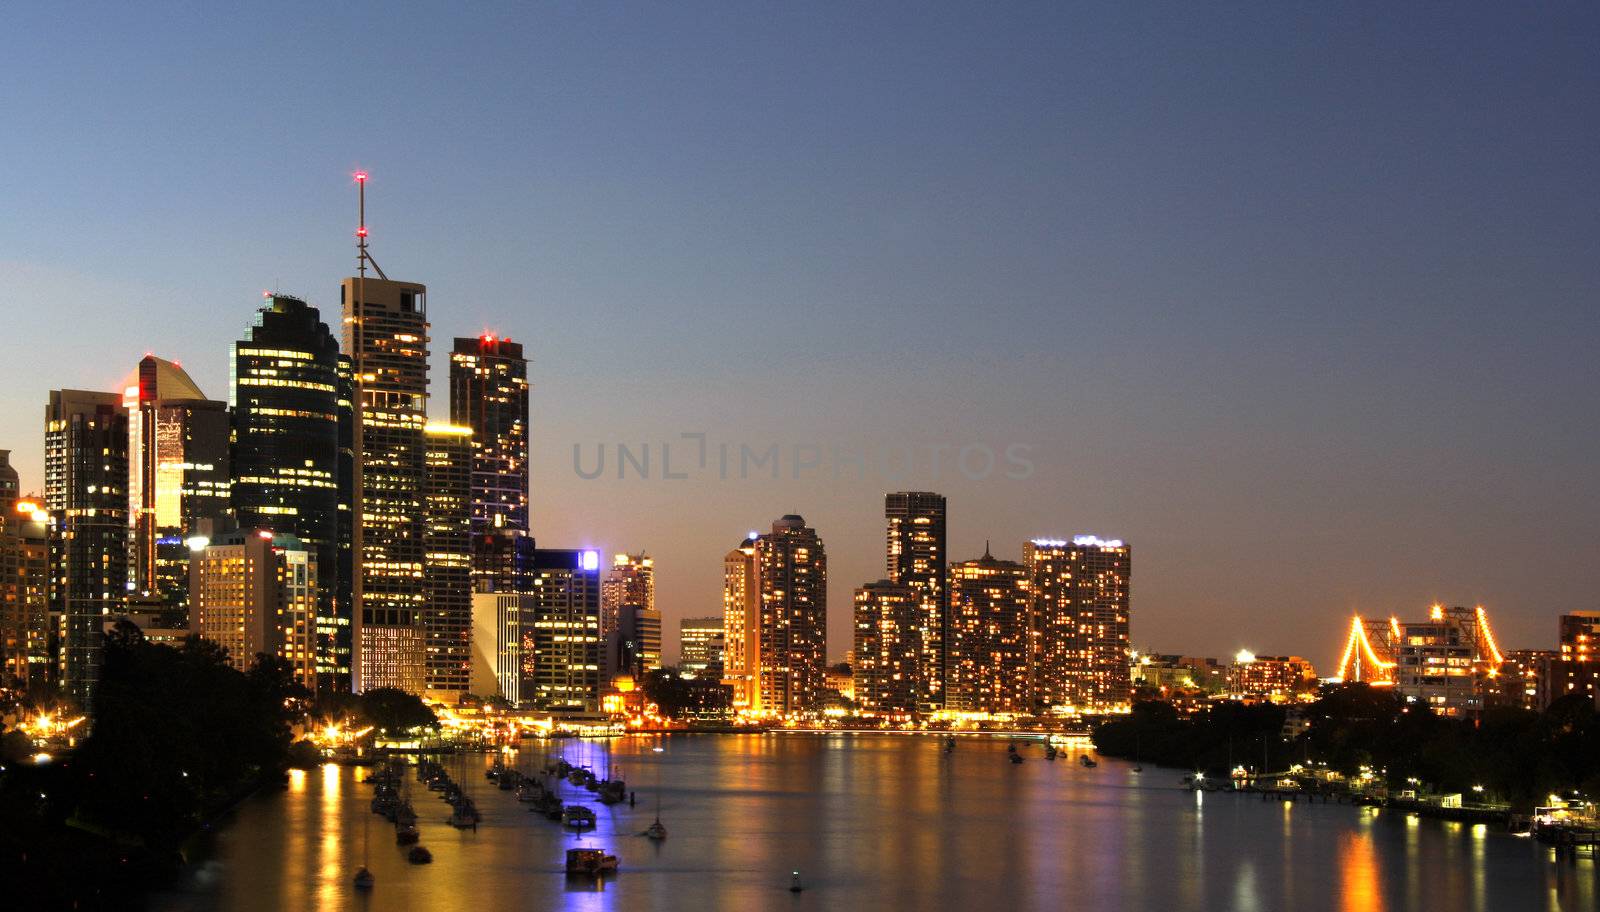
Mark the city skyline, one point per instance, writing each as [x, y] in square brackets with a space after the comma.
[1315, 405]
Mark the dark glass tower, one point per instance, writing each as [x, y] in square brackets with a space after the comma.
[489, 394]
[178, 481]
[916, 559]
[86, 493]
[287, 418]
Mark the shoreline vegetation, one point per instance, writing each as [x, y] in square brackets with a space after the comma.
[1375, 743]
[180, 738]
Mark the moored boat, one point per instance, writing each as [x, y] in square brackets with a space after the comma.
[589, 862]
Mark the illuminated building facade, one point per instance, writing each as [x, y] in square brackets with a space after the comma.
[86, 494]
[497, 644]
[917, 558]
[562, 659]
[1525, 678]
[1270, 678]
[24, 584]
[386, 338]
[1576, 669]
[888, 675]
[292, 420]
[489, 394]
[1446, 661]
[793, 625]
[741, 624]
[986, 661]
[178, 480]
[700, 648]
[255, 592]
[628, 616]
[1079, 623]
[447, 616]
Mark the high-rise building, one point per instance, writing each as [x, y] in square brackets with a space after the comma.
[741, 624]
[497, 636]
[489, 394]
[1524, 679]
[1444, 661]
[793, 617]
[986, 662]
[887, 673]
[628, 616]
[289, 395]
[562, 657]
[386, 338]
[700, 648]
[24, 584]
[447, 618]
[178, 480]
[917, 558]
[86, 493]
[1079, 626]
[254, 592]
[1576, 668]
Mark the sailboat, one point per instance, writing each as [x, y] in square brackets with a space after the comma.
[1137, 766]
[657, 830]
[364, 879]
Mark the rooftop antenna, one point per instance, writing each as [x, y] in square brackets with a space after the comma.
[363, 255]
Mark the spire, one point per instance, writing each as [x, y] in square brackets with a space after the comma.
[986, 554]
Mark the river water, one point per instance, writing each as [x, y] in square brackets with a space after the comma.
[870, 822]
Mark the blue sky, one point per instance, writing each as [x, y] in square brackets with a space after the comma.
[1298, 298]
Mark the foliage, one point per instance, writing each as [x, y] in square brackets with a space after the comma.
[677, 697]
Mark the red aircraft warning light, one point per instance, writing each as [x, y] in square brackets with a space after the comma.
[361, 177]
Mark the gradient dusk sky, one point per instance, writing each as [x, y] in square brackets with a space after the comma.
[1298, 298]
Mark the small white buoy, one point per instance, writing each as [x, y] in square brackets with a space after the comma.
[794, 883]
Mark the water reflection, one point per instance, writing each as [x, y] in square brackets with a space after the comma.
[870, 822]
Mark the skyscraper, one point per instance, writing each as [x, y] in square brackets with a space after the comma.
[987, 660]
[1079, 623]
[1575, 669]
[24, 584]
[447, 620]
[386, 338]
[489, 394]
[254, 592]
[741, 624]
[86, 493]
[628, 616]
[916, 559]
[561, 649]
[700, 648]
[291, 416]
[178, 480]
[886, 675]
[794, 616]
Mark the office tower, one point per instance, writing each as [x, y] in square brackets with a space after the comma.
[24, 584]
[178, 480]
[887, 673]
[741, 624]
[447, 619]
[562, 662]
[628, 616]
[986, 662]
[86, 493]
[497, 635]
[386, 339]
[1079, 627]
[291, 417]
[917, 558]
[700, 648]
[794, 616]
[254, 592]
[1576, 667]
[502, 561]
[489, 394]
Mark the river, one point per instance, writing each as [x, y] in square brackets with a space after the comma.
[869, 822]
